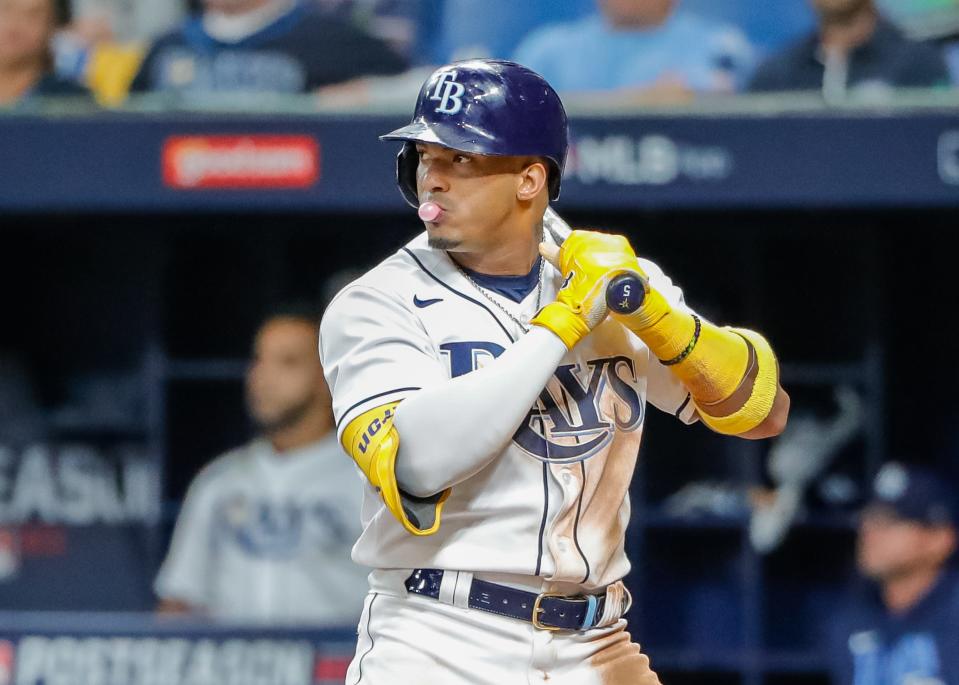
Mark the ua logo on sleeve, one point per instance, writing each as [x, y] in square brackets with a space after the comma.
[566, 424]
[448, 93]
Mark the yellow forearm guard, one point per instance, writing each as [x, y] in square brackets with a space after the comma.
[712, 369]
[372, 441]
[763, 396]
[715, 366]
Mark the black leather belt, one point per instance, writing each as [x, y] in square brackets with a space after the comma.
[546, 610]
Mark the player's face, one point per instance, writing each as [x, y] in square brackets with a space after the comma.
[478, 194]
[285, 379]
[889, 547]
[26, 27]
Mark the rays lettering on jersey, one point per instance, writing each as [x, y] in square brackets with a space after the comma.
[567, 423]
[267, 529]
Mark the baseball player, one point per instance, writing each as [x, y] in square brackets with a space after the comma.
[496, 404]
[265, 529]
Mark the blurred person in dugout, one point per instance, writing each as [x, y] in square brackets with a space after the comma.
[643, 49]
[265, 532]
[260, 46]
[27, 28]
[903, 627]
[854, 50]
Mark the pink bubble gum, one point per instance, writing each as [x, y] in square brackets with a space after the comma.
[429, 211]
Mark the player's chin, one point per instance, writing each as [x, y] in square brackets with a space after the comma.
[438, 242]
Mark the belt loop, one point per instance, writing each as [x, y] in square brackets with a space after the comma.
[447, 586]
[591, 605]
[618, 600]
[461, 589]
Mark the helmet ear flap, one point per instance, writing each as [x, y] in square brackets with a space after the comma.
[554, 181]
[406, 163]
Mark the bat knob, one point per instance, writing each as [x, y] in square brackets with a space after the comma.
[625, 293]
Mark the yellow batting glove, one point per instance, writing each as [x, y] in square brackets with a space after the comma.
[588, 261]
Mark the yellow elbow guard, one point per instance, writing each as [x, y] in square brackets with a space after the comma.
[760, 402]
[372, 441]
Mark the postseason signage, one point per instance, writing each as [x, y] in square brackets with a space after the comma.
[294, 659]
[78, 485]
[71, 514]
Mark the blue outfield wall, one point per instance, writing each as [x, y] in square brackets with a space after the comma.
[122, 161]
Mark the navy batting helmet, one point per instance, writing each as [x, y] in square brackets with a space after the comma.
[487, 107]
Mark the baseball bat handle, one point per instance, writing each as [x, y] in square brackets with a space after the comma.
[625, 293]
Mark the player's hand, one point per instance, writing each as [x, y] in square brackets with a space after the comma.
[588, 261]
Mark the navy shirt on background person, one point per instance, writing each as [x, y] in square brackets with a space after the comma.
[298, 52]
[51, 85]
[871, 646]
[887, 59]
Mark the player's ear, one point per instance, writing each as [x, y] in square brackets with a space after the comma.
[532, 180]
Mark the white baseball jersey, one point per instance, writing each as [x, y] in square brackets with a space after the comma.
[266, 537]
[555, 503]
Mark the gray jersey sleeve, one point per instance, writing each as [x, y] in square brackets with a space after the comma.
[187, 569]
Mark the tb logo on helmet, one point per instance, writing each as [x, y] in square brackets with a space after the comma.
[451, 98]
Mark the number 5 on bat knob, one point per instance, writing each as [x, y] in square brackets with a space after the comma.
[625, 293]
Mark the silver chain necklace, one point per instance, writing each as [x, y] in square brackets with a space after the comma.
[484, 293]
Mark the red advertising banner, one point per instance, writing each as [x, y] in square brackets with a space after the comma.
[242, 162]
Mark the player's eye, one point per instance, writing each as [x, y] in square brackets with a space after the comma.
[462, 159]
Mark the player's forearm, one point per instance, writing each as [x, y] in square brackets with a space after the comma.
[775, 423]
[731, 374]
[449, 432]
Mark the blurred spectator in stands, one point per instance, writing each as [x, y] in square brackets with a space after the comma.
[104, 44]
[905, 629]
[467, 29]
[640, 45]
[266, 530]
[257, 46]
[854, 49]
[27, 28]
[394, 21]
